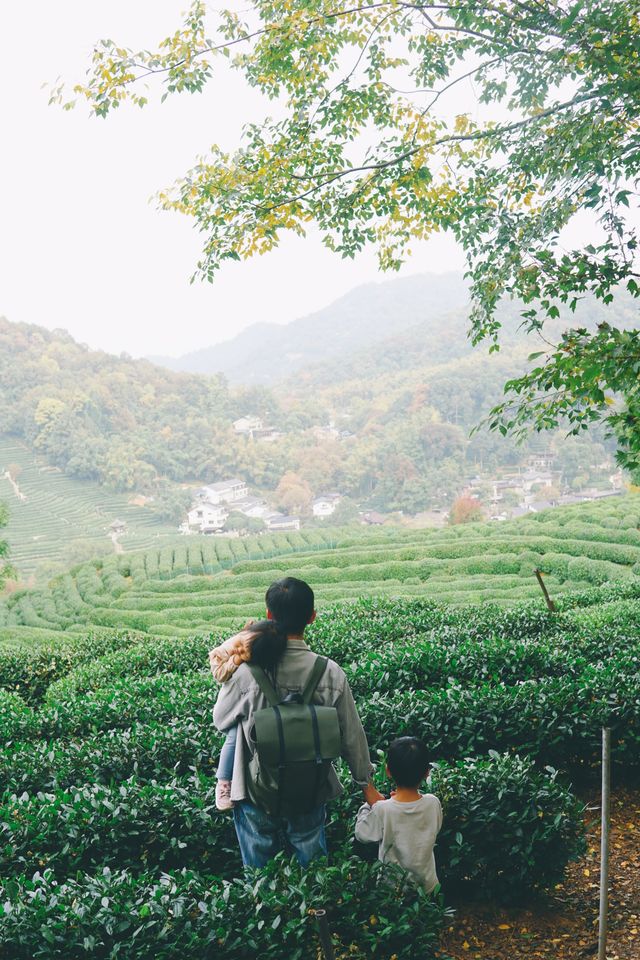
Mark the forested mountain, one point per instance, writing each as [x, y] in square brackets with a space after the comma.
[123, 422]
[268, 352]
[385, 421]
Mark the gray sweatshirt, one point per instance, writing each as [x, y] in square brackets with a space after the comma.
[406, 833]
[240, 697]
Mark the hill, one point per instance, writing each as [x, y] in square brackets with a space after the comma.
[53, 517]
[385, 423]
[265, 353]
[199, 584]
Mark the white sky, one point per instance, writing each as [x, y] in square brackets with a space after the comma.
[81, 245]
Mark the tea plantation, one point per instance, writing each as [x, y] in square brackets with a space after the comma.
[110, 844]
[58, 510]
[195, 584]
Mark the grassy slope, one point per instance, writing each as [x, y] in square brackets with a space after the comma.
[59, 510]
[196, 584]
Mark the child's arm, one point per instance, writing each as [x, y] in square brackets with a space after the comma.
[225, 659]
[368, 824]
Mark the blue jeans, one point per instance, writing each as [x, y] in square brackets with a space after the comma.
[261, 836]
[227, 755]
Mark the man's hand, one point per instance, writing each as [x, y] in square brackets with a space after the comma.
[371, 794]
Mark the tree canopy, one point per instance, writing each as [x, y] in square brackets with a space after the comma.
[363, 147]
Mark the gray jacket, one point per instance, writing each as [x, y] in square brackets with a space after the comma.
[240, 697]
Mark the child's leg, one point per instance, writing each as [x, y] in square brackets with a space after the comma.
[227, 755]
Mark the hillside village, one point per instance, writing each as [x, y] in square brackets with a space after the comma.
[215, 503]
[229, 507]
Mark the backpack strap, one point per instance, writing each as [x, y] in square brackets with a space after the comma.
[318, 669]
[264, 683]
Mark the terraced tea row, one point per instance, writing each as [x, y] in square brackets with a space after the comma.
[197, 584]
[109, 789]
[58, 510]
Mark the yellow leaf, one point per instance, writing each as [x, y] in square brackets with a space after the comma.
[504, 926]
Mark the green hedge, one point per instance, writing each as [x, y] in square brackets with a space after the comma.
[17, 719]
[31, 672]
[154, 751]
[129, 701]
[169, 825]
[553, 720]
[147, 658]
[267, 914]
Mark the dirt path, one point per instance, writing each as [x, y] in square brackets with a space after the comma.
[564, 927]
[117, 546]
[16, 489]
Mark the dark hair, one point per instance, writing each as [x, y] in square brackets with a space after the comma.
[268, 644]
[291, 603]
[407, 760]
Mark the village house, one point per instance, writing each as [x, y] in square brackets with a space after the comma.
[372, 519]
[252, 507]
[206, 518]
[543, 460]
[325, 504]
[226, 491]
[247, 425]
[277, 521]
[267, 435]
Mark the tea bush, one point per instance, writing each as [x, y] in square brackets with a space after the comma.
[154, 751]
[494, 804]
[31, 672]
[112, 914]
[146, 658]
[128, 701]
[17, 720]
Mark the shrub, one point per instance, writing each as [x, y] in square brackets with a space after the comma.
[30, 672]
[172, 916]
[147, 658]
[17, 720]
[149, 752]
[507, 829]
[130, 825]
[128, 701]
[554, 720]
[494, 804]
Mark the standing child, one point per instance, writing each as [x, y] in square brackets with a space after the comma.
[406, 825]
[262, 642]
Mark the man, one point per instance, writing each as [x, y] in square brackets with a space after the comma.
[291, 603]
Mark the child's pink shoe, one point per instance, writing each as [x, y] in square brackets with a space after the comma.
[223, 795]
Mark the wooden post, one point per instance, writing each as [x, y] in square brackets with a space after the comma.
[551, 605]
[324, 934]
[604, 844]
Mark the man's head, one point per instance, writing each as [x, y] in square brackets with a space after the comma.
[291, 603]
[407, 761]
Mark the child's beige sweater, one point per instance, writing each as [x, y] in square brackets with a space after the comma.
[226, 658]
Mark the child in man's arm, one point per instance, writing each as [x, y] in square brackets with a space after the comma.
[406, 825]
[262, 642]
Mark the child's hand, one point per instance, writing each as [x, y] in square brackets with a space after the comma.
[241, 652]
[371, 795]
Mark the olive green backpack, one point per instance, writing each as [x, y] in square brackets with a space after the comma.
[295, 742]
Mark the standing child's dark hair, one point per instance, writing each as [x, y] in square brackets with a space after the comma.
[407, 761]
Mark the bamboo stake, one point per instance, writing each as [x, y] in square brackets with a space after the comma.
[604, 844]
[324, 934]
[551, 605]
